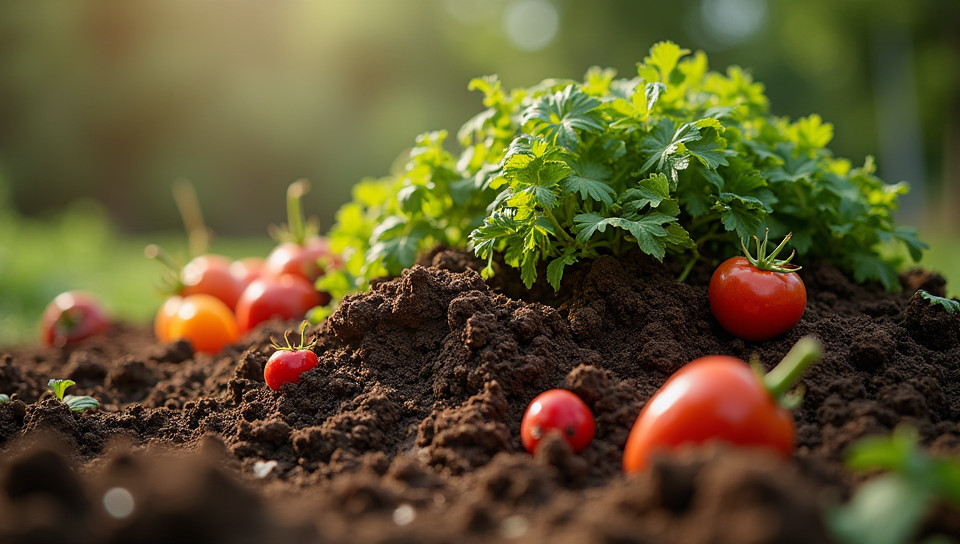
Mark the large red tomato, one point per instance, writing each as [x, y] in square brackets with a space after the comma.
[721, 398]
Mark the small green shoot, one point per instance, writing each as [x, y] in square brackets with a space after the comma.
[76, 403]
[890, 508]
[4, 398]
[949, 305]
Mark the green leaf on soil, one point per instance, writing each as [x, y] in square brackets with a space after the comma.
[949, 305]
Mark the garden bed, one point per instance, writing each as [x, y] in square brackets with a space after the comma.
[408, 429]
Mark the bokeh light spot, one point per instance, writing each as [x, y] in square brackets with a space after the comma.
[531, 25]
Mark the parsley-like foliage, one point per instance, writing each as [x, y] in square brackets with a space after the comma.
[676, 160]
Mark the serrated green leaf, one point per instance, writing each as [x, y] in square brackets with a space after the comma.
[663, 58]
[679, 238]
[743, 215]
[558, 116]
[648, 230]
[528, 269]
[709, 147]
[556, 266]
[652, 191]
[949, 305]
[531, 161]
[588, 180]
[649, 233]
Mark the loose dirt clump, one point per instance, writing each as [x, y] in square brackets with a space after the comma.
[408, 428]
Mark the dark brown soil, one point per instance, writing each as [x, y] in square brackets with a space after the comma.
[408, 429]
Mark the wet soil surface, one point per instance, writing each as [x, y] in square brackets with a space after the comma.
[408, 428]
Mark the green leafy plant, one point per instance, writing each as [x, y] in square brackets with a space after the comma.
[76, 403]
[890, 508]
[949, 305]
[675, 161]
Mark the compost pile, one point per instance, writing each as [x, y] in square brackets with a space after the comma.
[408, 429]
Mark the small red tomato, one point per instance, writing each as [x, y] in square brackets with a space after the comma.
[71, 317]
[210, 275]
[720, 398]
[204, 320]
[285, 297]
[288, 362]
[757, 298]
[557, 409]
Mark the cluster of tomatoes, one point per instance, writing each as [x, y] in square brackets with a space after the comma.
[218, 300]
[715, 397]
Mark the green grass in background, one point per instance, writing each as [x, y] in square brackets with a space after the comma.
[80, 250]
[944, 257]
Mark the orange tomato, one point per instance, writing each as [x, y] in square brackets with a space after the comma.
[202, 319]
[161, 324]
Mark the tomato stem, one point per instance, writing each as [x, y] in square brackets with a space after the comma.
[801, 356]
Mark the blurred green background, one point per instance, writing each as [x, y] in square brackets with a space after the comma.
[104, 103]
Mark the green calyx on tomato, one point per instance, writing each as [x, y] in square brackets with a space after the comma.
[303, 345]
[770, 262]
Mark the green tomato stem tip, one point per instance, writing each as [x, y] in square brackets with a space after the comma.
[770, 262]
[807, 351]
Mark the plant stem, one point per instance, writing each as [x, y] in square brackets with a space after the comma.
[560, 230]
[688, 268]
[295, 192]
[801, 356]
[157, 253]
[198, 236]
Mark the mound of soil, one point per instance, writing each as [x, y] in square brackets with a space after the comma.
[408, 429]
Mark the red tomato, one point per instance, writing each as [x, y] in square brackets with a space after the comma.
[247, 269]
[302, 260]
[755, 304]
[210, 275]
[285, 297]
[758, 297]
[204, 320]
[71, 317]
[721, 398]
[285, 366]
[557, 409]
